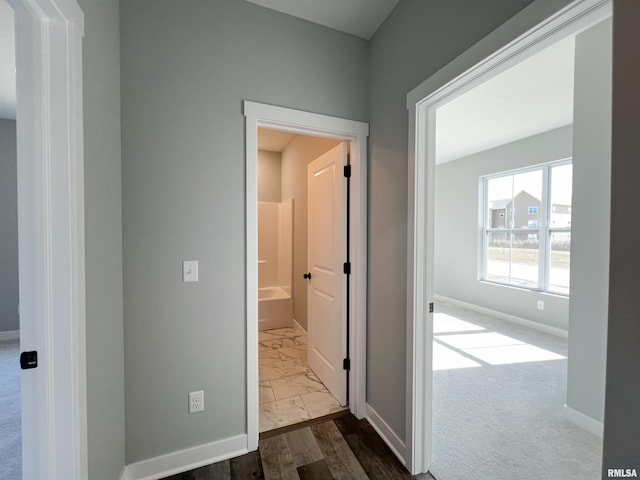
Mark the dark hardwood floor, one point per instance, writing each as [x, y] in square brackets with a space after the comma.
[338, 449]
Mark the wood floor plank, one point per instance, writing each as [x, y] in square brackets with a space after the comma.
[247, 466]
[347, 424]
[303, 446]
[340, 459]
[377, 460]
[345, 448]
[277, 460]
[373, 466]
[315, 471]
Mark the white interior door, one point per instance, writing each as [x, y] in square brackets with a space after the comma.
[326, 255]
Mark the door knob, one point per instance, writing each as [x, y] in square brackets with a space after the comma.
[28, 360]
[307, 276]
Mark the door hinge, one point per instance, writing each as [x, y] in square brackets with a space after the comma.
[28, 360]
[347, 268]
[346, 364]
[431, 307]
[347, 171]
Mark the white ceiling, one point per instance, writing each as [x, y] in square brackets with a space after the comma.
[532, 97]
[7, 62]
[273, 140]
[357, 17]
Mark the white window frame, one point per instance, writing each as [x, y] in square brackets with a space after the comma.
[544, 229]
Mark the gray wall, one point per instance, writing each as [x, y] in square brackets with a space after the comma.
[103, 237]
[299, 152]
[8, 228]
[269, 174]
[590, 222]
[622, 422]
[186, 67]
[456, 237]
[418, 38]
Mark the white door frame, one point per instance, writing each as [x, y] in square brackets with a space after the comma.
[305, 123]
[51, 237]
[496, 53]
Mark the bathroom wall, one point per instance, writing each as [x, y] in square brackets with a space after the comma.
[269, 173]
[299, 152]
[268, 221]
[275, 227]
[285, 245]
[275, 238]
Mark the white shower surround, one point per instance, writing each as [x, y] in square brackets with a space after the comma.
[275, 261]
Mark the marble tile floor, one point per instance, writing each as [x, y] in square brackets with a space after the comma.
[289, 390]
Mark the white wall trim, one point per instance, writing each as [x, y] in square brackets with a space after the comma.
[10, 336]
[297, 325]
[393, 441]
[296, 121]
[533, 29]
[583, 421]
[51, 237]
[558, 332]
[187, 459]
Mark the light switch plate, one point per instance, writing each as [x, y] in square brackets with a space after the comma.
[190, 271]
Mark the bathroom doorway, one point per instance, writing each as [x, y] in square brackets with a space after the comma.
[355, 134]
[301, 282]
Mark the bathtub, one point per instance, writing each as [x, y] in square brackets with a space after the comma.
[275, 308]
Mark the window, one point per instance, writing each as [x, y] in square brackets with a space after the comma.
[526, 228]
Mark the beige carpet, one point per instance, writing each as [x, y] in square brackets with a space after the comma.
[499, 391]
[10, 412]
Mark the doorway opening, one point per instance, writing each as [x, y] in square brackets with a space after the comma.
[338, 135]
[301, 283]
[511, 258]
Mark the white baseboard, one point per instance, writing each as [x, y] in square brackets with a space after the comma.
[185, 460]
[558, 332]
[583, 421]
[10, 335]
[392, 440]
[123, 475]
[295, 322]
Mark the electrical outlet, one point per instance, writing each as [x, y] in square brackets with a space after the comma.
[540, 304]
[196, 401]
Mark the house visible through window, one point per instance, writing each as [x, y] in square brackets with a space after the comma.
[526, 234]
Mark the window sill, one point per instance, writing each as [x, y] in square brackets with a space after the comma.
[525, 289]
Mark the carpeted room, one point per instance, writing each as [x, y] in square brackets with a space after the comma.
[521, 267]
